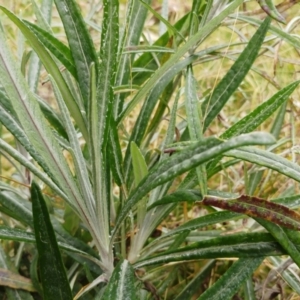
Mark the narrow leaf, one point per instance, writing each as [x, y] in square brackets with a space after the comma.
[15, 281]
[107, 71]
[30, 166]
[269, 160]
[75, 150]
[194, 40]
[181, 162]
[15, 234]
[140, 169]
[269, 7]
[56, 47]
[121, 284]
[221, 94]
[51, 68]
[284, 238]
[80, 42]
[193, 287]
[289, 38]
[259, 208]
[261, 113]
[53, 276]
[231, 281]
[194, 119]
[178, 196]
[135, 19]
[43, 16]
[234, 245]
[37, 129]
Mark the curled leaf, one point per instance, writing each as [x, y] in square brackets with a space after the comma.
[269, 7]
[259, 208]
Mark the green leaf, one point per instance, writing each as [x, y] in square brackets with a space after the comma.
[107, 71]
[15, 234]
[261, 113]
[99, 117]
[243, 245]
[210, 219]
[115, 154]
[231, 281]
[53, 276]
[51, 68]
[193, 287]
[273, 29]
[178, 196]
[194, 120]
[30, 166]
[121, 283]
[193, 41]
[145, 114]
[80, 42]
[16, 207]
[78, 159]
[163, 20]
[248, 289]
[140, 168]
[269, 7]
[259, 208]
[267, 159]
[56, 47]
[43, 16]
[181, 162]
[133, 27]
[16, 281]
[37, 130]
[284, 237]
[230, 82]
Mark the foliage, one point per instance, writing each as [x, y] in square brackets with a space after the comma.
[110, 174]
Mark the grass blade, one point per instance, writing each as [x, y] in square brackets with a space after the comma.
[221, 94]
[53, 276]
[231, 281]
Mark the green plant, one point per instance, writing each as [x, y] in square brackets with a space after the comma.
[101, 242]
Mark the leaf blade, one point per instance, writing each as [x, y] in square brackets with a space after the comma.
[230, 82]
[183, 161]
[53, 276]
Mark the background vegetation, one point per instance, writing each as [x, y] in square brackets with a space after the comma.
[149, 150]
